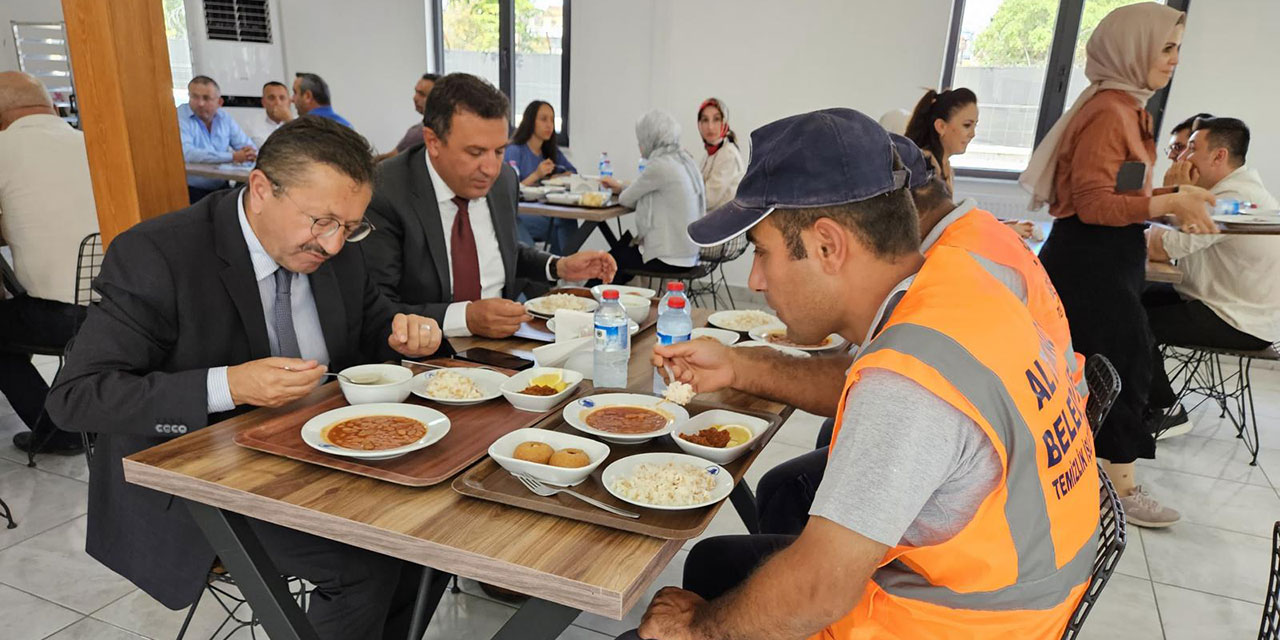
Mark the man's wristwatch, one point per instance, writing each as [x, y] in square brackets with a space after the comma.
[555, 268]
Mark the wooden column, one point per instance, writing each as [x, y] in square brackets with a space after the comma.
[120, 60]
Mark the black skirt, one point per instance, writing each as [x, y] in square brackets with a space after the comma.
[1100, 273]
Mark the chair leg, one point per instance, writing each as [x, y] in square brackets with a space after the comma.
[191, 612]
[1249, 426]
[7, 515]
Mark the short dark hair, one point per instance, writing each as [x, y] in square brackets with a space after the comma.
[887, 224]
[431, 76]
[311, 139]
[316, 85]
[462, 92]
[274, 83]
[932, 195]
[204, 80]
[1228, 133]
[1188, 124]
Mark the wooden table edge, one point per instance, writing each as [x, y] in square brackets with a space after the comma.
[572, 593]
[586, 214]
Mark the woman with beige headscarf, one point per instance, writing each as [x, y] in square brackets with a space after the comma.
[1093, 169]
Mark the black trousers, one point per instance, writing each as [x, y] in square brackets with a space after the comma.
[1100, 273]
[630, 261]
[196, 194]
[26, 323]
[360, 595]
[1178, 321]
[786, 492]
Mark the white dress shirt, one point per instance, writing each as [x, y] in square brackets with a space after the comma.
[46, 203]
[260, 128]
[1237, 276]
[306, 320]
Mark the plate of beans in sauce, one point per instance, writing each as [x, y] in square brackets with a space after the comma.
[376, 431]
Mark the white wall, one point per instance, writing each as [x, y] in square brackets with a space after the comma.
[22, 11]
[371, 54]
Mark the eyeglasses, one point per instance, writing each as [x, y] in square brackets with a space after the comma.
[328, 226]
[1175, 149]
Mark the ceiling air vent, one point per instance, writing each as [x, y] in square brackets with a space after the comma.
[237, 20]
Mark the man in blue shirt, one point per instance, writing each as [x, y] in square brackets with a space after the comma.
[210, 135]
[311, 97]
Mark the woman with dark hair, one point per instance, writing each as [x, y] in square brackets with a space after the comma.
[1093, 169]
[722, 165]
[942, 125]
[534, 154]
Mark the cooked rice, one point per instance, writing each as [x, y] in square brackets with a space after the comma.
[667, 485]
[550, 304]
[450, 385]
[679, 392]
[748, 320]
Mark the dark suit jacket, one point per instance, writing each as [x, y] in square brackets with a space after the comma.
[406, 254]
[178, 298]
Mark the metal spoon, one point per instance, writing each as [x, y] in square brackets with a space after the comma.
[368, 378]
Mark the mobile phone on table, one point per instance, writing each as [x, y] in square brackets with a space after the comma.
[481, 355]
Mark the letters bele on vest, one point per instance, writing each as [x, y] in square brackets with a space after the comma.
[1023, 562]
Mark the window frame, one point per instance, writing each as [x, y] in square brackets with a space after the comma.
[1057, 76]
[507, 57]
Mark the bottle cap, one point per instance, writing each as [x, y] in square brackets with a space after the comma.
[610, 294]
[675, 286]
[676, 303]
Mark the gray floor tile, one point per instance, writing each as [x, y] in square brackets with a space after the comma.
[800, 430]
[26, 617]
[1212, 560]
[38, 500]
[142, 614]
[55, 567]
[1126, 609]
[1192, 615]
[90, 629]
[1133, 562]
[1207, 457]
[1219, 503]
[467, 616]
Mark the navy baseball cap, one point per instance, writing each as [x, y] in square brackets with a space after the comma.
[913, 158]
[817, 159]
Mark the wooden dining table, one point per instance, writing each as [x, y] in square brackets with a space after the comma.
[565, 566]
[229, 172]
[592, 218]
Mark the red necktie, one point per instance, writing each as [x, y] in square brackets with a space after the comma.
[463, 257]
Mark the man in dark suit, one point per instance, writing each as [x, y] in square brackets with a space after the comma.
[242, 300]
[446, 218]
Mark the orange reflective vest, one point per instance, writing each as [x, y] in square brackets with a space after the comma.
[979, 232]
[1022, 563]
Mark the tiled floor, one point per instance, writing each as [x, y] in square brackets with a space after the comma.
[1203, 578]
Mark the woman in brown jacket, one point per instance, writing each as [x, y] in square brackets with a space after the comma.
[1093, 169]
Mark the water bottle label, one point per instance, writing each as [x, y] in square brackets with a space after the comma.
[610, 335]
[664, 339]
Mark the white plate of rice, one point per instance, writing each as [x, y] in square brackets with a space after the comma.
[743, 320]
[547, 306]
[459, 385]
[667, 481]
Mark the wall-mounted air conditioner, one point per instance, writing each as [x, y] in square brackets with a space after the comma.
[238, 44]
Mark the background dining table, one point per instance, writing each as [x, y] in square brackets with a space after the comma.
[567, 567]
[229, 172]
[591, 218]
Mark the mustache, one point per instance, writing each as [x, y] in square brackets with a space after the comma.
[316, 248]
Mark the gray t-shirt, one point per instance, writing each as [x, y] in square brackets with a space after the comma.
[411, 137]
[908, 468]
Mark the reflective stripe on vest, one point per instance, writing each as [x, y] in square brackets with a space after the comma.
[1040, 583]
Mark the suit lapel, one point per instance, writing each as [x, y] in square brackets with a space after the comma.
[333, 316]
[424, 202]
[504, 225]
[237, 274]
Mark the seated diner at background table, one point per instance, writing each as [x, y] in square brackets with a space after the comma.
[312, 98]
[446, 217]
[722, 163]
[210, 135]
[1094, 169]
[667, 197]
[1178, 137]
[243, 300]
[922, 451]
[46, 209]
[277, 109]
[1229, 297]
[535, 155]
[413, 135]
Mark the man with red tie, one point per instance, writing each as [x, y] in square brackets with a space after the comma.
[445, 215]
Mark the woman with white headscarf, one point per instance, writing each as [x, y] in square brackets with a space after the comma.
[667, 197]
[722, 163]
[1093, 169]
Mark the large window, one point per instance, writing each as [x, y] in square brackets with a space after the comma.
[521, 46]
[1025, 61]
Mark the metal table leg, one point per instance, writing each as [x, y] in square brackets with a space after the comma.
[430, 589]
[538, 619]
[580, 236]
[744, 502]
[6, 514]
[256, 575]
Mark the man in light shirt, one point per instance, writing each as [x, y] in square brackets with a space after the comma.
[1229, 296]
[46, 209]
[275, 107]
[210, 135]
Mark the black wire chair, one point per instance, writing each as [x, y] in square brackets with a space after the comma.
[219, 585]
[705, 278]
[7, 515]
[1270, 627]
[1201, 372]
[1111, 544]
[1104, 387]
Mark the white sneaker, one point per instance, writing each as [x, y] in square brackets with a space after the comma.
[1142, 509]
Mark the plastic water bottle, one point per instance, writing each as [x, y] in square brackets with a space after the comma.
[613, 343]
[674, 290]
[675, 324]
[642, 165]
[1231, 207]
[606, 170]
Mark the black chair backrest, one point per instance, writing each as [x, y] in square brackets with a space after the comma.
[726, 252]
[1111, 544]
[10, 279]
[1104, 386]
[88, 264]
[1270, 628]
